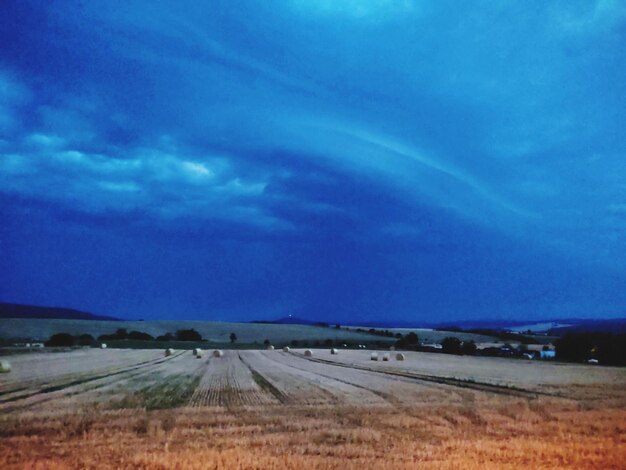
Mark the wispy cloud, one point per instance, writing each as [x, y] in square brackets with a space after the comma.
[474, 137]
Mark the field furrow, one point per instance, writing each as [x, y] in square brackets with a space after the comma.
[228, 382]
[303, 384]
[76, 388]
[275, 409]
[394, 390]
[490, 375]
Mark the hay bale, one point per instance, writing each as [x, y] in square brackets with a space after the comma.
[386, 357]
[218, 353]
[308, 353]
[374, 356]
[286, 349]
[197, 352]
[392, 348]
[103, 346]
[400, 357]
[334, 351]
[5, 367]
[169, 352]
[270, 347]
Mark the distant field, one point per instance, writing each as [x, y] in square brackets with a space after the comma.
[427, 335]
[538, 327]
[216, 332]
[435, 336]
[138, 409]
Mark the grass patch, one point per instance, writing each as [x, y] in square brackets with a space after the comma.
[173, 392]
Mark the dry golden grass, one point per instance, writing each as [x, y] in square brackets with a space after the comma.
[282, 411]
[500, 433]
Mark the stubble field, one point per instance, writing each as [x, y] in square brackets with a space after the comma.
[273, 409]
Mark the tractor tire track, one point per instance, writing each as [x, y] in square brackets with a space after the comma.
[450, 381]
[61, 386]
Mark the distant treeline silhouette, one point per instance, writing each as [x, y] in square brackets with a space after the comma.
[606, 348]
[68, 340]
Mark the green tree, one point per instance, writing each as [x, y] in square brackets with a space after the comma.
[411, 338]
[121, 333]
[451, 345]
[468, 348]
[140, 335]
[188, 335]
[85, 340]
[61, 339]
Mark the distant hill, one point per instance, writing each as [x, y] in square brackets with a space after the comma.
[32, 311]
[617, 325]
[290, 320]
[555, 327]
[552, 327]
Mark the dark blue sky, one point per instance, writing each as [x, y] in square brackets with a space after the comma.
[352, 160]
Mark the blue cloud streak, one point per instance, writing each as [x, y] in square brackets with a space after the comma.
[455, 155]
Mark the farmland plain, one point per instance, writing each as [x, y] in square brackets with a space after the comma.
[215, 332]
[254, 409]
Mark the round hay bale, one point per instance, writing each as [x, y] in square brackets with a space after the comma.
[392, 348]
[386, 357]
[374, 356]
[270, 348]
[308, 353]
[286, 349]
[5, 367]
[169, 352]
[103, 346]
[400, 357]
[218, 353]
[197, 352]
[334, 351]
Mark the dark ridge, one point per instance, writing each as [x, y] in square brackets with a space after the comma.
[31, 311]
[290, 321]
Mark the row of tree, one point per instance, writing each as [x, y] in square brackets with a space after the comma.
[606, 348]
[374, 331]
[68, 340]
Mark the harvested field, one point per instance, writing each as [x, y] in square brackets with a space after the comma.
[559, 379]
[275, 409]
[227, 381]
[215, 332]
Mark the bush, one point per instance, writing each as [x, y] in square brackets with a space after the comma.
[468, 348]
[574, 347]
[412, 338]
[121, 333]
[85, 340]
[605, 347]
[188, 335]
[451, 345]
[140, 335]
[409, 341]
[166, 337]
[61, 339]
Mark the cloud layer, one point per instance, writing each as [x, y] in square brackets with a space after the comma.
[396, 158]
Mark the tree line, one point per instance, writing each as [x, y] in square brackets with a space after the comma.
[68, 340]
[606, 348]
